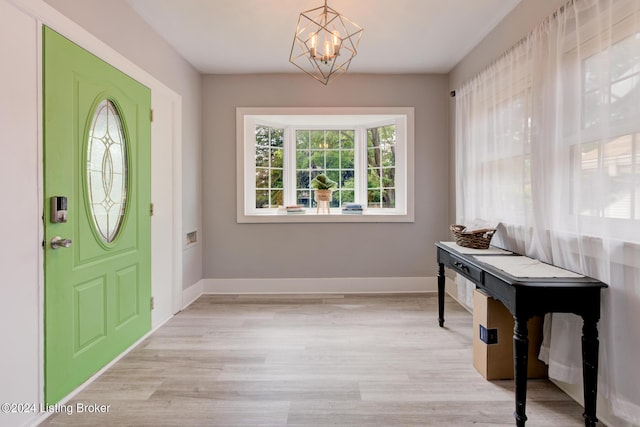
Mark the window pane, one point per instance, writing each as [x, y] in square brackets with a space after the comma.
[596, 72]
[333, 159]
[302, 139]
[387, 135]
[277, 155]
[276, 198]
[347, 196]
[334, 176]
[388, 155]
[262, 155]
[302, 159]
[335, 199]
[625, 57]
[373, 157]
[346, 139]
[373, 198]
[589, 165]
[346, 159]
[262, 136]
[388, 198]
[317, 139]
[348, 179]
[262, 199]
[373, 178]
[317, 160]
[609, 168]
[277, 137]
[262, 178]
[618, 166]
[372, 138]
[302, 179]
[593, 104]
[276, 178]
[331, 139]
[623, 98]
[611, 84]
[303, 197]
[389, 177]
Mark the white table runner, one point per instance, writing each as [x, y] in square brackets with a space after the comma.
[522, 266]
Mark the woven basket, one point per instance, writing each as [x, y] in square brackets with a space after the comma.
[478, 239]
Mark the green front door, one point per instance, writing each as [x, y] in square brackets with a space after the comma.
[97, 253]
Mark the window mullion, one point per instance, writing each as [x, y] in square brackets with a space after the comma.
[289, 165]
[401, 163]
[250, 166]
[360, 166]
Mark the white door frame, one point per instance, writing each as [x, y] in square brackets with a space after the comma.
[166, 187]
[44, 14]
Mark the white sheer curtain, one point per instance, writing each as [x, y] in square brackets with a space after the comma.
[548, 143]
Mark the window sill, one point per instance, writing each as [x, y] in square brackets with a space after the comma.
[311, 217]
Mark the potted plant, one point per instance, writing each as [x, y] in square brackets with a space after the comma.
[323, 187]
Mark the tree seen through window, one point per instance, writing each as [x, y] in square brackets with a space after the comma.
[325, 151]
[381, 167]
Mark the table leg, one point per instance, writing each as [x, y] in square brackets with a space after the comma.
[441, 279]
[590, 347]
[520, 362]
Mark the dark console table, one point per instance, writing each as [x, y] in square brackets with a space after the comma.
[528, 297]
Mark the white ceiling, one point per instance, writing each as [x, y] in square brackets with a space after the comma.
[255, 36]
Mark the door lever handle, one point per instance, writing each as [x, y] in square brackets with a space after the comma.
[58, 242]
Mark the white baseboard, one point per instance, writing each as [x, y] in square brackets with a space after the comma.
[191, 294]
[341, 285]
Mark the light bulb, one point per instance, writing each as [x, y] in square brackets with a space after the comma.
[328, 50]
[313, 41]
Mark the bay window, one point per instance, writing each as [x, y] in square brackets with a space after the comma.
[368, 152]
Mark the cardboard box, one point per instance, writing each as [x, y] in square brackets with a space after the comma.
[493, 340]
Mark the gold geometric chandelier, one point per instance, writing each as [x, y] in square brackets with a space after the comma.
[325, 43]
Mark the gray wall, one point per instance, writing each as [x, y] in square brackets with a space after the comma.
[234, 250]
[514, 27]
[116, 24]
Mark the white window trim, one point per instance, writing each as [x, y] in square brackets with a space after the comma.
[245, 158]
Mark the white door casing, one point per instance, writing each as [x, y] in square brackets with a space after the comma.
[26, 17]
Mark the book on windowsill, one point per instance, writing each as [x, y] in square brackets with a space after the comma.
[352, 206]
[294, 209]
[288, 210]
[352, 209]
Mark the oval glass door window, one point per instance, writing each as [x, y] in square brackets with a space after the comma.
[107, 170]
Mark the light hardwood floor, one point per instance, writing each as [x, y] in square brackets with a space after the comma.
[342, 360]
